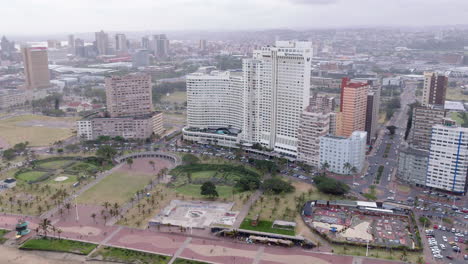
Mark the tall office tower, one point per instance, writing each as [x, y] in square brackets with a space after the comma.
[202, 45]
[435, 88]
[102, 43]
[314, 123]
[448, 159]
[145, 43]
[214, 100]
[71, 44]
[337, 151]
[353, 106]
[53, 44]
[129, 95]
[5, 45]
[283, 93]
[372, 113]
[160, 45]
[121, 44]
[36, 67]
[140, 58]
[423, 120]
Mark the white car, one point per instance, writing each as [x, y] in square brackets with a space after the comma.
[444, 238]
[356, 184]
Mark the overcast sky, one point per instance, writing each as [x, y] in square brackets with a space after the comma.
[64, 16]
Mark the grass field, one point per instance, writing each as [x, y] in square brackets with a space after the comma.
[2, 233]
[286, 206]
[396, 255]
[265, 226]
[193, 190]
[30, 175]
[129, 256]
[176, 97]
[61, 245]
[13, 132]
[455, 94]
[56, 164]
[115, 188]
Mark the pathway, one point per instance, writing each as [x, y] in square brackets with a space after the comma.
[179, 251]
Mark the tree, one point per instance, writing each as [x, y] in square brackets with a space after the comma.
[354, 170]
[325, 166]
[106, 152]
[277, 185]
[330, 185]
[153, 164]
[59, 231]
[391, 129]
[209, 189]
[44, 225]
[129, 162]
[347, 167]
[93, 215]
[190, 159]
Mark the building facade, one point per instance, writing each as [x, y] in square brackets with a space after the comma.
[435, 89]
[102, 43]
[315, 123]
[353, 106]
[423, 120]
[372, 114]
[448, 160]
[121, 47]
[141, 58]
[412, 166]
[36, 67]
[129, 95]
[160, 45]
[337, 151]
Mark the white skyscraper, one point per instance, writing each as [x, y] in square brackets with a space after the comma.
[121, 44]
[265, 102]
[448, 159]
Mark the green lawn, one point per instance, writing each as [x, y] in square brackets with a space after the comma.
[455, 94]
[188, 261]
[115, 188]
[176, 97]
[2, 233]
[55, 164]
[62, 245]
[130, 256]
[265, 226]
[193, 190]
[30, 175]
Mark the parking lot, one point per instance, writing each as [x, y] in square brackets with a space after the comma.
[446, 245]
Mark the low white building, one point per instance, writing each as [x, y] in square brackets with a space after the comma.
[8, 183]
[337, 151]
[448, 159]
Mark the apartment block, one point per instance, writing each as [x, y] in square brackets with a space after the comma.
[448, 160]
[129, 95]
[424, 117]
[412, 166]
[435, 89]
[353, 106]
[36, 67]
[337, 151]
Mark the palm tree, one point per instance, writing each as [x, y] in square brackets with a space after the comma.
[68, 206]
[106, 204]
[129, 162]
[151, 162]
[347, 167]
[59, 231]
[44, 225]
[325, 167]
[93, 215]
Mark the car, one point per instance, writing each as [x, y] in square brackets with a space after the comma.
[449, 257]
[465, 257]
[442, 246]
[444, 238]
[356, 184]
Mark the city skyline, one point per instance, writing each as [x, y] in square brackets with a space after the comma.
[225, 15]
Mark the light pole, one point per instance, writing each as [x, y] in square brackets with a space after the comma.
[76, 209]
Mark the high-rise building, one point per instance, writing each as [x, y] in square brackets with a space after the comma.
[214, 100]
[140, 58]
[435, 88]
[102, 43]
[353, 106]
[448, 159]
[423, 120]
[129, 95]
[71, 44]
[202, 45]
[274, 91]
[338, 151]
[372, 114]
[36, 67]
[121, 46]
[7, 48]
[53, 44]
[145, 43]
[160, 45]
[315, 123]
